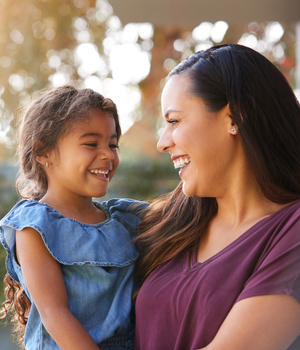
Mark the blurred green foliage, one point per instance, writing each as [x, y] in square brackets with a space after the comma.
[2, 272]
[8, 197]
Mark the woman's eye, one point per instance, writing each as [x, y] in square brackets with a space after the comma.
[172, 121]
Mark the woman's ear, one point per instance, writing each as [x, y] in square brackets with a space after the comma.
[229, 123]
[234, 129]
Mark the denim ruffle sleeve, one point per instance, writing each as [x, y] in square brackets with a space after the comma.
[97, 263]
[65, 237]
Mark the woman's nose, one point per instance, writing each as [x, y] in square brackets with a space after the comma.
[166, 141]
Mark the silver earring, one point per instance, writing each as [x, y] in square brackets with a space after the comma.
[234, 128]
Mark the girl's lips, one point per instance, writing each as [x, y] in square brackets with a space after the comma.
[100, 176]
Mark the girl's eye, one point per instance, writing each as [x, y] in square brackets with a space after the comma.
[114, 147]
[91, 144]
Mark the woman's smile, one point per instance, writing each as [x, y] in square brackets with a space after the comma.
[198, 140]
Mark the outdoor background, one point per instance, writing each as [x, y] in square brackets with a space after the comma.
[51, 42]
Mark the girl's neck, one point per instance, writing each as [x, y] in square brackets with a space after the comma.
[81, 209]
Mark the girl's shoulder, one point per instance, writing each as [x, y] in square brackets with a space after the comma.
[25, 212]
[127, 212]
[123, 207]
[72, 242]
[31, 213]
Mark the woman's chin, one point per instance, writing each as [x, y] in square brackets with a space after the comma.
[187, 190]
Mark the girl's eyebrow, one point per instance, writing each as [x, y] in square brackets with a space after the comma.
[95, 134]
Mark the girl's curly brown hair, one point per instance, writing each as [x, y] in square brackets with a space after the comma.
[47, 118]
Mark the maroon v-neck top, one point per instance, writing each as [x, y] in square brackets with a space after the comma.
[182, 308]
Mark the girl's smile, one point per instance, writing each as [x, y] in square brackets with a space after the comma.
[86, 158]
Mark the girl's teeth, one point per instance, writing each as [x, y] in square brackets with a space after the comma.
[105, 172]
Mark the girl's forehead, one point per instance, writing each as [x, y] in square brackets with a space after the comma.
[88, 117]
[94, 120]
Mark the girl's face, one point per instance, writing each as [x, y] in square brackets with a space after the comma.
[86, 157]
[201, 141]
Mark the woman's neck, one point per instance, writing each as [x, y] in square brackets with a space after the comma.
[240, 209]
[241, 199]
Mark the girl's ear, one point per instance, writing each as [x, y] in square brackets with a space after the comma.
[43, 159]
[37, 155]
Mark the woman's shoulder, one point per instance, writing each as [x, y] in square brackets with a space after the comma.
[289, 213]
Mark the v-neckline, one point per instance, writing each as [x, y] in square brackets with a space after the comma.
[191, 258]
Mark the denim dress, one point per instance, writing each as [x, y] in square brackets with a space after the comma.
[97, 263]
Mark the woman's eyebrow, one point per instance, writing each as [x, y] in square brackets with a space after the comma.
[171, 111]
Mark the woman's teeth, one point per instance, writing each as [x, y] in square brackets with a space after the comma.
[181, 162]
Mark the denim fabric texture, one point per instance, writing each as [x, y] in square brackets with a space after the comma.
[97, 263]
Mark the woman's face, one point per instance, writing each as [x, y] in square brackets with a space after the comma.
[201, 141]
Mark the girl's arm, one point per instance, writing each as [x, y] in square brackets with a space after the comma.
[269, 322]
[44, 280]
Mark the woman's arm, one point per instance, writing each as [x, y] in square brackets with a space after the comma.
[270, 322]
[44, 280]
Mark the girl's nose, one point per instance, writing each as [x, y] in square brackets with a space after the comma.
[107, 154]
[165, 142]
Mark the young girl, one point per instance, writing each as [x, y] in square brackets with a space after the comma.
[70, 262]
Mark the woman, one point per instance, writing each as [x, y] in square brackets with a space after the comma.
[220, 256]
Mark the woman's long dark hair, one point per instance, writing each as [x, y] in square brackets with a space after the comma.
[267, 113]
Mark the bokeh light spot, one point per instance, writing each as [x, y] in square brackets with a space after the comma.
[16, 82]
[5, 61]
[202, 32]
[16, 36]
[129, 64]
[49, 33]
[54, 61]
[274, 32]
[218, 31]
